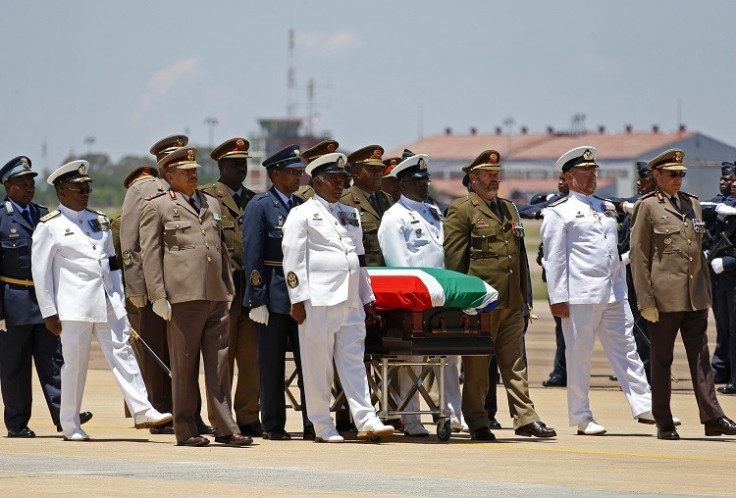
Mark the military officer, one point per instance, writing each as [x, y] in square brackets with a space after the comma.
[188, 280]
[366, 168]
[673, 291]
[411, 235]
[389, 183]
[80, 293]
[232, 160]
[324, 147]
[265, 292]
[23, 335]
[330, 293]
[586, 281]
[484, 237]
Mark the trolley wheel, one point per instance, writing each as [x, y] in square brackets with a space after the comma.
[443, 429]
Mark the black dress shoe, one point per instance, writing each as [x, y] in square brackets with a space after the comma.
[309, 434]
[667, 433]
[720, 426]
[729, 388]
[194, 441]
[203, 428]
[482, 434]
[536, 429]
[162, 429]
[494, 424]
[84, 417]
[24, 432]
[236, 439]
[345, 425]
[555, 381]
[719, 378]
[396, 423]
[277, 435]
[252, 429]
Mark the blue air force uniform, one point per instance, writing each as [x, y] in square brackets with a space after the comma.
[26, 336]
[263, 224]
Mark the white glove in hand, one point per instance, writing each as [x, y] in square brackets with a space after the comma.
[162, 307]
[725, 210]
[625, 258]
[717, 265]
[650, 314]
[628, 207]
[138, 301]
[259, 315]
[3, 328]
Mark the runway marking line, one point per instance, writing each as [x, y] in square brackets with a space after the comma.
[610, 453]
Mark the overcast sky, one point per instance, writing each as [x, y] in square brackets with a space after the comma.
[129, 72]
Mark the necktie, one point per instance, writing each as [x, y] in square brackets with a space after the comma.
[26, 214]
[193, 203]
[289, 204]
[496, 209]
[373, 200]
[238, 200]
[675, 202]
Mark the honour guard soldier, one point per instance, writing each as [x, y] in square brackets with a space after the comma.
[330, 293]
[232, 160]
[673, 291]
[188, 280]
[366, 168]
[324, 147]
[586, 283]
[80, 293]
[485, 237]
[411, 235]
[389, 183]
[266, 293]
[23, 336]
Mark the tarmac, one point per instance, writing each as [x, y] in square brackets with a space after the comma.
[628, 460]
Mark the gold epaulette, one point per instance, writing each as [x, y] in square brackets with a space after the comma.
[559, 201]
[688, 194]
[52, 214]
[154, 196]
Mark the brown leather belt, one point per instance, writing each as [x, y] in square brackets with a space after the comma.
[16, 281]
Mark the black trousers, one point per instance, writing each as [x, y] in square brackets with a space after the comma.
[18, 346]
[724, 311]
[272, 343]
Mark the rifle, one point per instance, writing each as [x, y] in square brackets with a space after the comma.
[723, 244]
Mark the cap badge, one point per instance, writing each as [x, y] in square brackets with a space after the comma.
[678, 156]
[82, 169]
[330, 147]
[190, 155]
[494, 158]
[422, 164]
[24, 161]
[340, 162]
[296, 152]
[240, 144]
[377, 154]
[587, 155]
[180, 142]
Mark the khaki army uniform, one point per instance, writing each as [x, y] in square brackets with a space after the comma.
[305, 192]
[478, 242]
[243, 338]
[370, 219]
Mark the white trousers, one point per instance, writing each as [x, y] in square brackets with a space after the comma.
[334, 334]
[453, 396]
[613, 324]
[113, 336]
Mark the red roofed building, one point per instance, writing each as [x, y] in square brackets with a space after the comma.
[528, 159]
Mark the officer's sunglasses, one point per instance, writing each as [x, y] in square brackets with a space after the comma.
[84, 190]
[675, 174]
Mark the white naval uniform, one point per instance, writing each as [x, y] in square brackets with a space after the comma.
[584, 270]
[321, 246]
[411, 235]
[71, 269]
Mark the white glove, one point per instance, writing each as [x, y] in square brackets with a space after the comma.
[628, 207]
[706, 253]
[229, 305]
[3, 328]
[259, 314]
[650, 314]
[717, 265]
[138, 301]
[725, 210]
[162, 307]
[625, 258]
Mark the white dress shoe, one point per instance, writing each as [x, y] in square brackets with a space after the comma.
[590, 428]
[331, 437]
[76, 435]
[415, 429]
[458, 425]
[375, 429]
[648, 418]
[151, 418]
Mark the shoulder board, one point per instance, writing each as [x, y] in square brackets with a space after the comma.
[559, 201]
[157, 194]
[52, 214]
[208, 187]
[650, 194]
[503, 199]
[39, 205]
[249, 192]
[96, 212]
[211, 195]
[688, 194]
